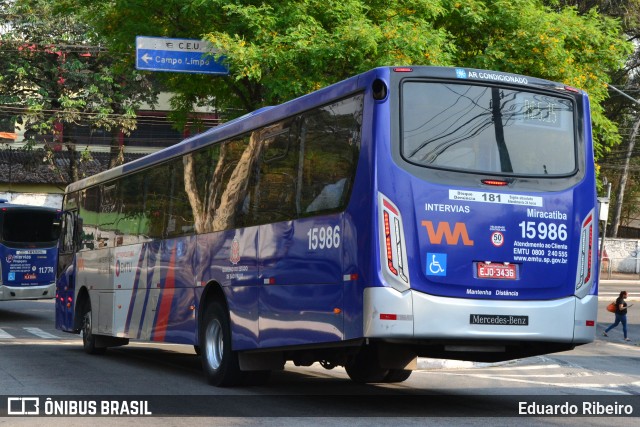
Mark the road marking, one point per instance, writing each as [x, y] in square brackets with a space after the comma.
[597, 381]
[40, 333]
[600, 387]
[626, 347]
[5, 335]
[521, 368]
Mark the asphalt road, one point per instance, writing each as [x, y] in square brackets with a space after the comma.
[37, 360]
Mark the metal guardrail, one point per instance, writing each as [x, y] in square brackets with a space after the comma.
[620, 268]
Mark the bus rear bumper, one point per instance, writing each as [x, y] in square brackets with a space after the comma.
[8, 293]
[419, 316]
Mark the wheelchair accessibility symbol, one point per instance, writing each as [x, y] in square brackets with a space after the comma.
[436, 264]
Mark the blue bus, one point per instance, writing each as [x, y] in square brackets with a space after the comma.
[28, 250]
[405, 212]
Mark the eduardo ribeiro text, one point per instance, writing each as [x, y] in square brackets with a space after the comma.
[586, 408]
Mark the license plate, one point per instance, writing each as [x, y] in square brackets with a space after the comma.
[496, 270]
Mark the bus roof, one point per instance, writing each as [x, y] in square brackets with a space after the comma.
[5, 206]
[267, 115]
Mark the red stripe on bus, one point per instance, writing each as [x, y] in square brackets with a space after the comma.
[166, 300]
[387, 205]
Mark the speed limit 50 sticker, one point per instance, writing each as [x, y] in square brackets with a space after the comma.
[497, 239]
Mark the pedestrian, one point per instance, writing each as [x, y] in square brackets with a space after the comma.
[621, 315]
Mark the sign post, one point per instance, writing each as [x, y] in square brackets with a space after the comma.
[177, 55]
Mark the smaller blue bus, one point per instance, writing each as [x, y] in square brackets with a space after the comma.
[28, 251]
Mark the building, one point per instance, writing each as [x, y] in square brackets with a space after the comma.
[38, 175]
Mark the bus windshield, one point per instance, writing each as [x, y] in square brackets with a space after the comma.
[29, 226]
[487, 129]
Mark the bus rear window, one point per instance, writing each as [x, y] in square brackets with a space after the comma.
[30, 226]
[487, 129]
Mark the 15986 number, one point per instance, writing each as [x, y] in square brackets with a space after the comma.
[542, 230]
[324, 237]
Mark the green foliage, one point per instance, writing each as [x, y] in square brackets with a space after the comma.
[56, 70]
[279, 49]
[580, 50]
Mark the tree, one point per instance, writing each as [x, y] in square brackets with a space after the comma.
[281, 49]
[56, 72]
[617, 163]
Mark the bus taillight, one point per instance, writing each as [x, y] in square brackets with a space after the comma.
[586, 252]
[394, 255]
[495, 182]
[387, 238]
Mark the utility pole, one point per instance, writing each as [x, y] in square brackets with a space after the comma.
[603, 209]
[615, 223]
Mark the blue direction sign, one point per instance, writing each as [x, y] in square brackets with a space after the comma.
[177, 55]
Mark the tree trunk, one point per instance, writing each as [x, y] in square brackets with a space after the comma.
[116, 153]
[236, 188]
[73, 164]
[195, 201]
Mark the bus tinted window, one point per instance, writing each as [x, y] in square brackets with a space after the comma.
[108, 217]
[67, 239]
[89, 207]
[237, 160]
[487, 129]
[179, 215]
[156, 186]
[29, 226]
[216, 179]
[273, 197]
[331, 141]
[130, 212]
[202, 171]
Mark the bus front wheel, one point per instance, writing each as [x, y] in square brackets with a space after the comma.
[219, 362]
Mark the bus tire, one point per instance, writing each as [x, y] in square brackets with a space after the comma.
[219, 363]
[397, 375]
[364, 367]
[88, 338]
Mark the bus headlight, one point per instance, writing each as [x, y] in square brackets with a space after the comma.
[393, 256]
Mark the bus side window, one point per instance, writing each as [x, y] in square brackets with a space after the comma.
[69, 237]
[202, 171]
[180, 217]
[216, 184]
[89, 207]
[108, 216]
[273, 196]
[130, 210]
[331, 141]
[156, 190]
[236, 160]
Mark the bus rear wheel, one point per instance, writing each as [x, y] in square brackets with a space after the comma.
[219, 362]
[88, 338]
[365, 368]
